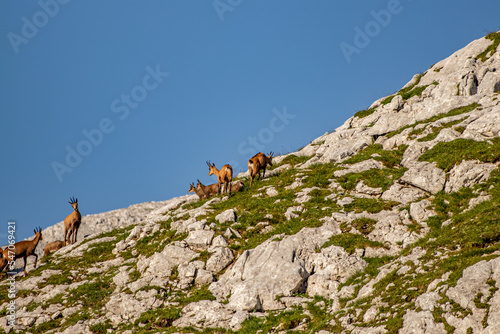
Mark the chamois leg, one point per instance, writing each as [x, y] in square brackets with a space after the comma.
[264, 173]
[36, 258]
[252, 175]
[75, 234]
[70, 232]
[24, 269]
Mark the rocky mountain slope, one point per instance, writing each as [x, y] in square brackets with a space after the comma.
[389, 224]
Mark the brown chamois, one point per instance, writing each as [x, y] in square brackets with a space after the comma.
[210, 190]
[238, 186]
[258, 162]
[21, 249]
[197, 191]
[52, 247]
[72, 222]
[224, 176]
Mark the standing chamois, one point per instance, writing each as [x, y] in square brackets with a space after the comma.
[198, 191]
[210, 190]
[258, 162]
[224, 176]
[72, 222]
[21, 249]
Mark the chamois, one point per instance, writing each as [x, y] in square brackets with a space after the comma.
[238, 186]
[210, 190]
[224, 176]
[52, 247]
[21, 249]
[258, 162]
[198, 191]
[72, 222]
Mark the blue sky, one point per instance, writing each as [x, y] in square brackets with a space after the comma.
[122, 102]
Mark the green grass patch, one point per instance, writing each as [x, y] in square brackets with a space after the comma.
[350, 242]
[153, 243]
[437, 130]
[92, 294]
[46, 326]
[319, 175]
[387, 100]
[492, 48]
[57, 299]
[448, 154]
[283, 321]
[412, 90]
[370, 205]
[57, 279]
[157, 319]
[417, 91]
[390, 158]
[364, 113]
[375, 178]
[101, 328]
[293, 160]
[364, 225]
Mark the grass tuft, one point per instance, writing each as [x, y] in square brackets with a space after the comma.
[448, 154]
[364, 113]
[492, 48]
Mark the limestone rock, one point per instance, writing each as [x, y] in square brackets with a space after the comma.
[341, 144]
[421, 322]
[290, 212]
[219, 241]
[403, 194]
[203, 277]
[331, 267]
[200, 239]
[359, 167]
[345, 201]
[420, 212]
[468, 173]
[124, 307]
[488, 125]
[226, 216]
[205, 314]
[231, 233]
[427, 301]
[396, 103]
[273, 268]
[161, 264]
[425, 176]
[362, 188]
[271, 192]
[303, 195]
[220, 259]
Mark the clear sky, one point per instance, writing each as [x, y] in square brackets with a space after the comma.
[120, 102]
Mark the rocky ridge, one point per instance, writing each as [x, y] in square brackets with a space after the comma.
[386, 225]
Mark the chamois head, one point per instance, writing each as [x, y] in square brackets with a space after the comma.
[270, 157]
[38, 232]
[74, 203]
[212, 168]
[191, 188]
